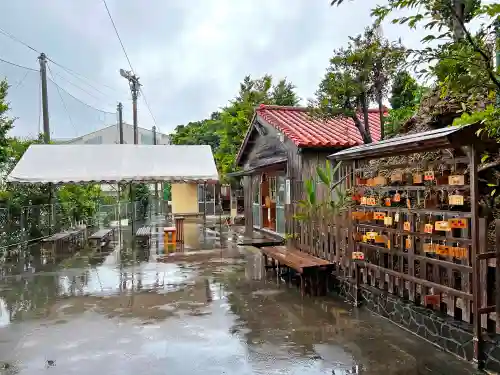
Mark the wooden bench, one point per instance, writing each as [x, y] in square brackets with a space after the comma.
[101, 238]
[143, 236]
[65, 240]
[312, 271]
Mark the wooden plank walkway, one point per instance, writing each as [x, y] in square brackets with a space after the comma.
[313, 272]
[260, 242]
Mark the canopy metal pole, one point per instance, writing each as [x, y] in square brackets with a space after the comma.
[131, 199]
[204, 205]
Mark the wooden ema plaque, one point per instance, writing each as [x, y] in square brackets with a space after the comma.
[387, 202]
[396, 217]
[443, 250]
[388, 220]
[408, 242]
[458, 223]
[379, 215]
[457, 180]
[363, 200]
[397, 176]
[429, 176]
[358, 255]
[428, 228]
[456, 200]
[406, 226]
[433, 300]
[417, 178]
[443, 226]
[397, 197]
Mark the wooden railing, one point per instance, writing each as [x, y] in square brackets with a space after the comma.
[411, 267]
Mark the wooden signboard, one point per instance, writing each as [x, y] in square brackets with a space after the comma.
[379, 215]
[428, 228]
[458, 223]
[443, 226]
[397, 197]
[456, 200]
[456, 180]
[358, 255]
[417, 178]
[429, 176]
[406, 226]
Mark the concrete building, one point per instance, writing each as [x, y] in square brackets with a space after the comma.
[111, 134]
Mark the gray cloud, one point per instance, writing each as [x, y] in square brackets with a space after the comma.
[190, 56]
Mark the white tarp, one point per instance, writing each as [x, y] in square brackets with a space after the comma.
[113, 163]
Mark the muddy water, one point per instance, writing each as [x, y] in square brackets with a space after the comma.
[210, 311]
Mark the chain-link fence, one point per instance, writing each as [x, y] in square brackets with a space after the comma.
[27, 224]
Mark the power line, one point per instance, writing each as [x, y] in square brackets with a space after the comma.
[82, 102]
[129, 63]
[9, 35]
[70, 71]
[118, 36]
[63, 102]
[19, 66]
[81, 76]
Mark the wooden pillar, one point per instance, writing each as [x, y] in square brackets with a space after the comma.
[474, 197]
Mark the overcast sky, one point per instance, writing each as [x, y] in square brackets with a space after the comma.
[190, 55]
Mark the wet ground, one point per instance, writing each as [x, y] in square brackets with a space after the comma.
[208, 311]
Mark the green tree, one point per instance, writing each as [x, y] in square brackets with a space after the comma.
[357, 75]
[225, 130]
[6, 122]
[404, 90]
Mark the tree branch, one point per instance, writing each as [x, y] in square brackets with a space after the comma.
[476, 48]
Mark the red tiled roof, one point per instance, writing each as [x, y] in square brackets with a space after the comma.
[304, 131]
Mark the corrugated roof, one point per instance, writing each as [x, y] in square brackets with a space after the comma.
[305, 131]
[76, 163]
[415, 142]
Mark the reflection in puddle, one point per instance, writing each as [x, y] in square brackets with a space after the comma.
[212, 311]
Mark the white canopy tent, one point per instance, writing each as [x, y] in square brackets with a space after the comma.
[114, 163]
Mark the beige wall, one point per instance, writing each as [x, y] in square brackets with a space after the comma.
[184, 198]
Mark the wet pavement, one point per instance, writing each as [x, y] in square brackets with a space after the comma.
[208, 311]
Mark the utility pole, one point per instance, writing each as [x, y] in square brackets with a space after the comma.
[135, 87]
[120, 121]
[45, 101]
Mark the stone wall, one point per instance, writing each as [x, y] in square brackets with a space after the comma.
[443, 331]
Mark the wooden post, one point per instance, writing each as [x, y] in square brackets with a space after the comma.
[474, 197]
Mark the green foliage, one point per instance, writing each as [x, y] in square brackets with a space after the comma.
[357, 75]
[167, 192]
[6, 123]
[405, 100]
[226, 129]
[79, 202]
[403, 91]
[310, 207]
